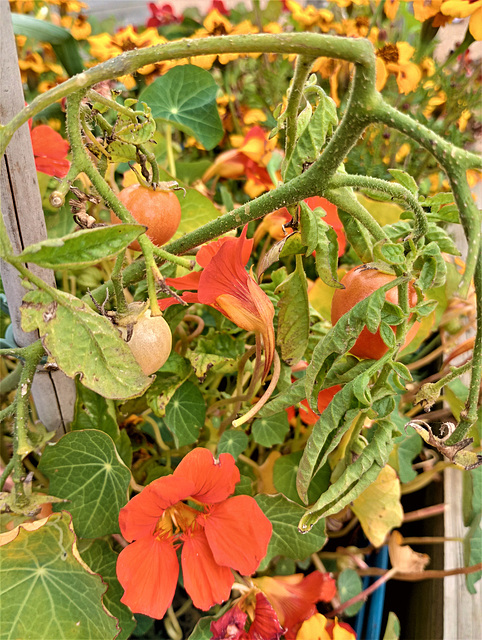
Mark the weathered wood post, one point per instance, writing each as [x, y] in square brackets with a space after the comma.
[53, 392]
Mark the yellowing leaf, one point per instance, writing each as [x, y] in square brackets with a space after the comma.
[404, 558]
[378, 508]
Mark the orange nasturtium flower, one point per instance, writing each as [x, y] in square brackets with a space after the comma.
[50, 151]
[212, 530]
[274, 606]
[225, 285]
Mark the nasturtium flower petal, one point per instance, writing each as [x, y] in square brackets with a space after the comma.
[213, 480]
[141, 514]
[206, 582]
[148, 570]
[238, 533]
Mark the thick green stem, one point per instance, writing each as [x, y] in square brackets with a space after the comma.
[397, 192]
[358, 51]
[170, 257]
[343, 198]
[6, 472]
[118, 284]
[11, 381]
[469, 414]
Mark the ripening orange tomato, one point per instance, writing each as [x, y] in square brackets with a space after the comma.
[158, 210]
[359, 284]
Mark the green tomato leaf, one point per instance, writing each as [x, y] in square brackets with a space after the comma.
[405, 180]
[270, 431]
[309, 228]
[185, 414]
[293, 316]
[392, 630]
[84, 343]
[286, 539]
[84, 468]
[326, 257]
[406, 448]
[355, 478]
[357, 235]
[101, 558]
[83, 248]
[186, 98]
[48, 591]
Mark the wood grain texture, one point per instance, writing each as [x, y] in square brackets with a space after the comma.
[53, 392]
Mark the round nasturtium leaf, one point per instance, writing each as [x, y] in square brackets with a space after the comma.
[47, 591]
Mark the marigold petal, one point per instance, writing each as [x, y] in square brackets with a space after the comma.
[213, 480]
[229, 525]
[206, 582]
[148, 570]
[139, 517]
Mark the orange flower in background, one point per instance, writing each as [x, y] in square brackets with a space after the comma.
[464, 9]
[249, 160]
[320, 628]
[213, 535]
[50, 151]
[225, 285]
[294, 597]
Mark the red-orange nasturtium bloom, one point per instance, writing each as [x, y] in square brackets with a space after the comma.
[225, 285]
[213, 530]
[49, 150]
[275, 606]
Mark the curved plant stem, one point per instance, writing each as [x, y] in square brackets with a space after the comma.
[397, 192]
[6, 472]
[302, 69]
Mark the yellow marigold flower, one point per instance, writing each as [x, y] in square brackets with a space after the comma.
[216, 24]
[397, 61]
[464, 119]
[21, 6]
[325, 20]
[32, 61]
[320, 628]
[473, 177]
[390, 8]
[273, 27]
[434, 102]
[403, 152]
[307, 16]
[254, 116]
[357, 27]
[69, 6]
[79, 27]
[464, 9]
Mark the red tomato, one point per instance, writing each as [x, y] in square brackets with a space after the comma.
[359, 284]
[158, 210]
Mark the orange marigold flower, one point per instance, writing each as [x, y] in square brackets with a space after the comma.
[158, 521]
[50, 151]
[225, 285]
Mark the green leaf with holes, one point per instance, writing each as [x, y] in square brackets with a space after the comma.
[186, 98]
[83, 248]
[84, 468]
[84, 343]
[47, 590]
[286, 539]
[185, 414]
